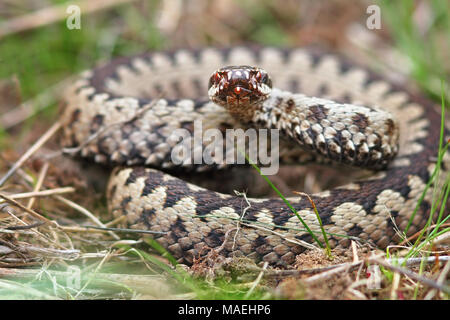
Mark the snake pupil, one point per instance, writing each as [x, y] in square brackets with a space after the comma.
[217, 77]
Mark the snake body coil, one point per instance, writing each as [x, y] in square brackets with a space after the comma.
[133, 105]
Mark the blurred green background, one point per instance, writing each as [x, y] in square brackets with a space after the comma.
[42, 55]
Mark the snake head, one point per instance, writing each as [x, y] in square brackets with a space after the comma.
[239, 88]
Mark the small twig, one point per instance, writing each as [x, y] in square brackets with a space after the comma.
[358, 294]
[39, 183]
[354, 252]
[415, 235]
[43, 193]
[11, 212]
[16, 231]
[442, 238]
[67, 254]
[43, 139]
[124, 230]
[321, 270]
[325, 275]
[86, 213]
[50, 15]
[415, 261]
[115, 221]
[225, 240]
[50, 242]
[440, 280]
[296, 241]
[421, 250]
[31, 107]
[397, 231]
[238, 224]
[30, 211]
[413, 275]
[29, 226]
[395, 284]
[257, 281]
[296, 273]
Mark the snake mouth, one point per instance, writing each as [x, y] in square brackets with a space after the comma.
[240, 101]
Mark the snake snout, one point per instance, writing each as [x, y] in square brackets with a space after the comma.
[234, 87]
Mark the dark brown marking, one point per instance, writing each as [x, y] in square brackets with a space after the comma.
[97, 121]
[390, 127]
[214, 238]
[75, 116]
[124, 202]
[319, 112]
[146, 216]
[136, 173]
[112, 191]
[361, 121]
[289, 105]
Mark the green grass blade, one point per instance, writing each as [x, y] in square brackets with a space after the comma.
[284, 199]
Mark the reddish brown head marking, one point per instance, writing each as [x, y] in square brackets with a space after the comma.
[238, 88]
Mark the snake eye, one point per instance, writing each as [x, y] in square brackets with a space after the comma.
[262, 77]
[266, 79]
[217, 77]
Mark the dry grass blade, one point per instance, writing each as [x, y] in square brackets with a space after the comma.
[415, 235]
[30, 211]
[295, 241]
[440, 280]
[87, 213]
[30, 226]
[31, 107]
[38, 144]
[413, 275]
[39, 183]
[43, 193]
[238, 224]
[327, 274]
[257, 281]
[53, 14]
[66, 254]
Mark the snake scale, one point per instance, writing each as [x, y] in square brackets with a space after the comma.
[132, 105]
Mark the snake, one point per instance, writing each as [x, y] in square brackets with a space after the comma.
[326, 108]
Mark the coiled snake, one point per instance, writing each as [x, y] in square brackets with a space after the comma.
[133, 105]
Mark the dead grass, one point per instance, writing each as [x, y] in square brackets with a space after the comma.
[31, 237]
